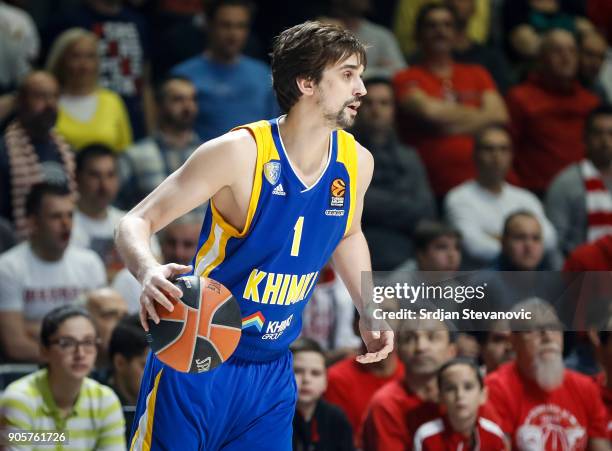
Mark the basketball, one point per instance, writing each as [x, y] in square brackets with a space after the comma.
[202, 331]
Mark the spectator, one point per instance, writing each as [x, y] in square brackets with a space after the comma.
[61, 397]
[595, 256]
[43, 272]
[467, 50]
[541, 403]
[443, 102]
[592, 47]
[579, 199]
[30, 151]
[383, 52]
[399, 195]
[88, 113]
[123, 51]
[548, 112]
[477, 208]
[148, 162]
[400, 407]
[106, 307]
[222, 75]
[178, 242]
[522, 244]
[462, 392]
[128, 351]
[495, 346]
[95, 218]
[317, 425]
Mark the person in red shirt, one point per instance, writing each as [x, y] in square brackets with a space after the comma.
[596, 256]
[543, 405]
[442, 103]
[462, 393]
[548, 112]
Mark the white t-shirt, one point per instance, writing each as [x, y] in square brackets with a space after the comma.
[129, 288]
[35, 287]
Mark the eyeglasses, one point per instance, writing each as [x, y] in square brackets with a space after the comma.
[69, 344]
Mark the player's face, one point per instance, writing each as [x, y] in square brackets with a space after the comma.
[179, 107]
[461, 392]
[523, 243]
[442, 254]
[179, 243]
[67, 359]
[494, 155]
[340, 91]
[81, 61]
[310, 376]
[99, 182]
[53, 223]
[424, 346]
[377, 110]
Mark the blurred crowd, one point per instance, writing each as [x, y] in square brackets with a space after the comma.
[491, 128]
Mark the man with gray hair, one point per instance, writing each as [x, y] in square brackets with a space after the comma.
[542, 404]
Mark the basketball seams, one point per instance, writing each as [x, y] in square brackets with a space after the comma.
[197, 326]
[178, 336]
[212, 314]
[222, 326]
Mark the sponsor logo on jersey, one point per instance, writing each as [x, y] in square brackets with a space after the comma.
[255, 320]
[274, 329]
[272, 171]
[338, 190]
[334, 212]
[279, 191]
[278, 289]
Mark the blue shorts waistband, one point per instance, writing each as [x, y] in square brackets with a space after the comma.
[255, 353]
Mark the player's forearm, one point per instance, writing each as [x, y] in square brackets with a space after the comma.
[132, 239]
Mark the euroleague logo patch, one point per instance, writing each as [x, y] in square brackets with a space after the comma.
[338, 190]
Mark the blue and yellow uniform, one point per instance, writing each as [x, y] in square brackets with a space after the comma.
[271, 267]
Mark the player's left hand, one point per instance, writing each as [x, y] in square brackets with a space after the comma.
[378, 343]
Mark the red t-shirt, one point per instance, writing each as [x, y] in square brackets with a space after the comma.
[547, 129]
[565, 418]
[447, 158]
[351, 387]
[596, 256]
[438, 435]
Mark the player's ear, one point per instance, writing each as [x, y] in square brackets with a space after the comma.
[305, 85]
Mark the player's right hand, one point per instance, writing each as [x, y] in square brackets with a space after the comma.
[156, 287]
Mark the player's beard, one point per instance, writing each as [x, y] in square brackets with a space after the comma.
[340, 118]
[548, 371]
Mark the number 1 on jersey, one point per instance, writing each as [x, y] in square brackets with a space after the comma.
[297, 236]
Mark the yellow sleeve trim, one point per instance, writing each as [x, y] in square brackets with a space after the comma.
[347, 155]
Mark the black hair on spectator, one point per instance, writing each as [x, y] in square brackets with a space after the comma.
[212, 7]
[460, 361]
[162, 85]
[128, 339]
[515, 214]
[603, 109]
[56, 317]
[304, 344]
[428, 231]
[378, 80]
[419, 23]
[480, 134]
[90, 152]
[39, 191]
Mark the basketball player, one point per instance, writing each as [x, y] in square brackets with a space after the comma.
[285, 196]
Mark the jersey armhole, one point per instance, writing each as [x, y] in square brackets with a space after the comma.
[256, 132]
[347, 155]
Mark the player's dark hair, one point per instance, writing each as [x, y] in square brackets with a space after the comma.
[421, 18]
[128, 339]
[603, 109]
[212, 7]
[304, 344]
[56, 317]
[428, 231]
[305, 50]
[514, 215]
[91, 152]
[39, 191]
[480, 135]
[460, 361]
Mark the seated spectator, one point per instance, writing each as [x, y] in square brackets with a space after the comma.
[95, 218]
[317, 425]
[127, 351]
[222, 74]
[178, 243]
[442, 103]
[88, 113]
[107, 308]
[398, 409]
[595, 256]
[477, 208]
[579, 201]
[495, 347]
[547, 113]
[592, 48]
[383, 52]
[462, 392]
[522, 245]
[149, 161]
[43, 272]
[61, 397]
[541, 403]
[30, 151]
[399, 195]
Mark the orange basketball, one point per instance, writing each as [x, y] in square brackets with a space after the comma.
[202, 331]
[338, 188]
